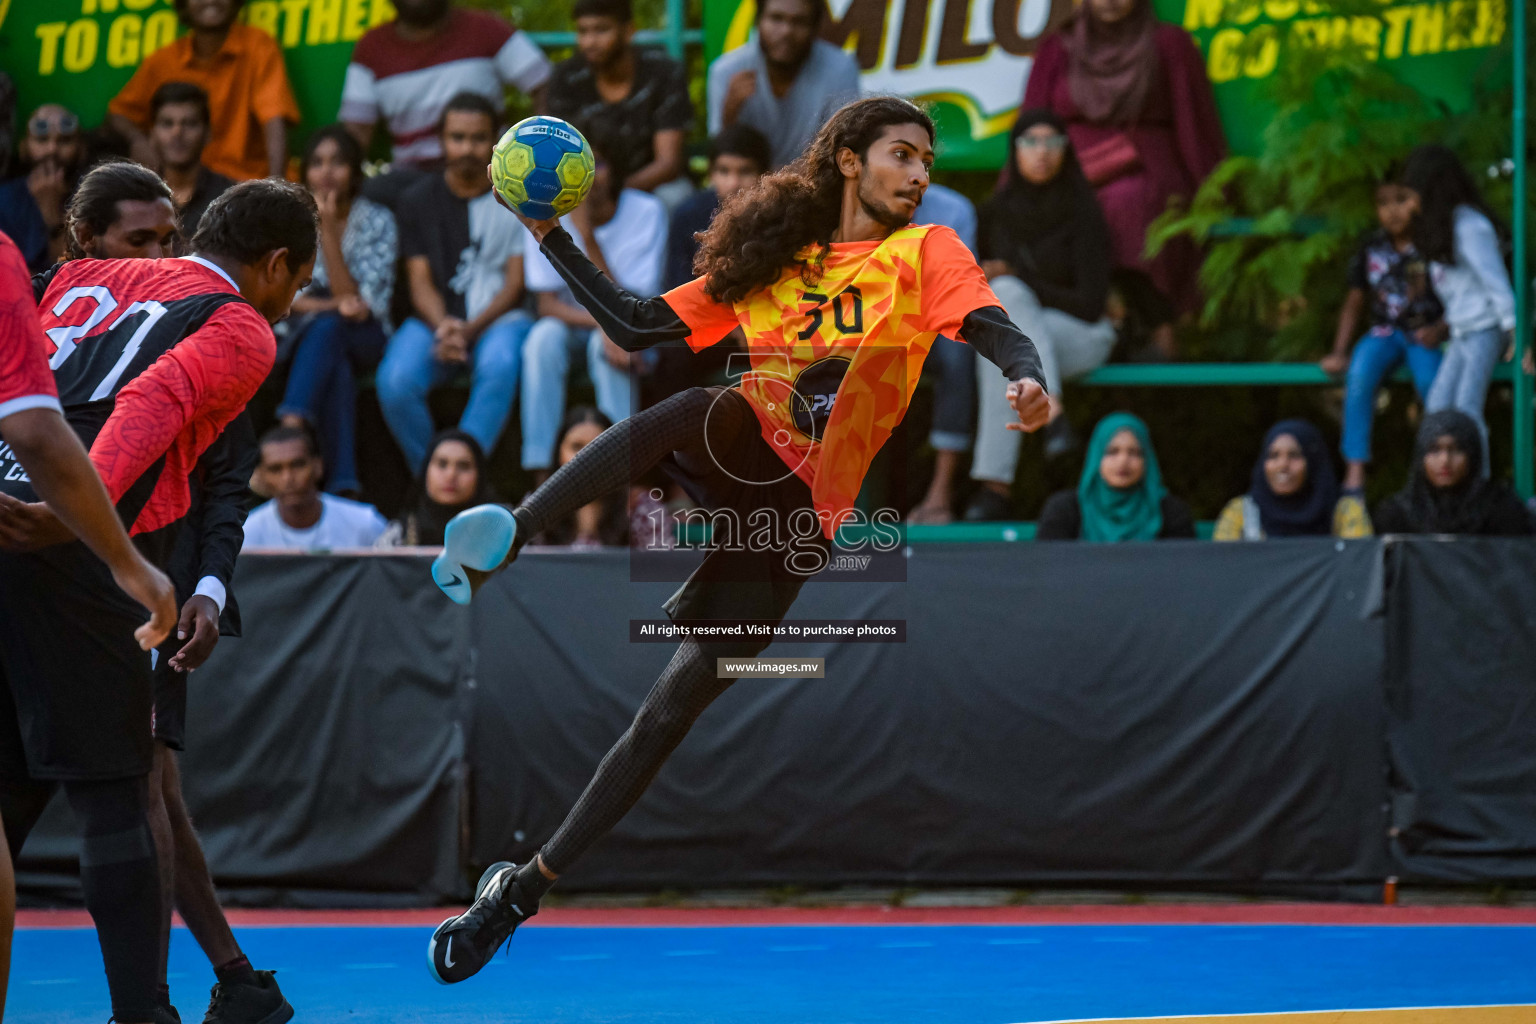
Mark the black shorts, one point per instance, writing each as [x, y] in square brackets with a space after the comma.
[170, 711]
[744, 476]
[75, 690]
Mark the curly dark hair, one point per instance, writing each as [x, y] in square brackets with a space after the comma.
[761, 230]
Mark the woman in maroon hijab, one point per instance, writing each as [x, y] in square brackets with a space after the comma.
[1142, 119]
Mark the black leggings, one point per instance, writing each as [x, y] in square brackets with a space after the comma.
[118, 872]
[676, 426]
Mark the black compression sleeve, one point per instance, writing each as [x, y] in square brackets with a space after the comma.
[994, 336]
[633, 323]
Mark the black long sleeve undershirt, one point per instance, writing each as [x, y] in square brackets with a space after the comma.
[635, 323]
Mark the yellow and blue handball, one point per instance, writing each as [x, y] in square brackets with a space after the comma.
[543, 167]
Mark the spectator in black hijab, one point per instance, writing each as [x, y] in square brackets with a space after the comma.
[1294, 492]
[1045, 249]
[452, 481]
[1446, 491]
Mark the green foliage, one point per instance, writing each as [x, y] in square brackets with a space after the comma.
[1273, 289]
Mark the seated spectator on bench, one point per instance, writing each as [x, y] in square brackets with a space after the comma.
[241, 69]
[179, 126]
[953, 365]
[405, 71]
[299, 517]
[454, 480]
[602, 523]
[1389, 283]
[464, 262]
[1138, 104]
[624, 232]
[631, 104]
[1458, 233]
[1120, 496]
[53, 156]
[341, 320]
[1045, 248]
[1447, 491]
[785, 81]
[1294, 492]
[738, 156]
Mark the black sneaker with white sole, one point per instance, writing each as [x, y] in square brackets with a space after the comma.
[464, 944]
[261, 1002]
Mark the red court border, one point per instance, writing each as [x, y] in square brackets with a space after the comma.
[718, 917]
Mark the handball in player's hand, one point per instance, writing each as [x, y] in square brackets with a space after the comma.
[1029, 400]
[542, 168]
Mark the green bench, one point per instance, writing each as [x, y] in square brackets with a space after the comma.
[1168, 375]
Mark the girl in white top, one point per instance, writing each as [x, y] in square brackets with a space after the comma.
[1456, 232]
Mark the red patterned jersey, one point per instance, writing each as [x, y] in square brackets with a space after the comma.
[25, 382]
[835, 360]
[152, 358]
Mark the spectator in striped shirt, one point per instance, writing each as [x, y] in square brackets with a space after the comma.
[405, 71]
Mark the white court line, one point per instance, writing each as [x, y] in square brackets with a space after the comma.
[1274, 1013]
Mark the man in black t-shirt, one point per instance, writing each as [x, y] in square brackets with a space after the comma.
[464, 263]
[632, 104]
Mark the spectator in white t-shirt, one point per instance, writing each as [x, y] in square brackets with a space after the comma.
[624, 232]
[299, 517]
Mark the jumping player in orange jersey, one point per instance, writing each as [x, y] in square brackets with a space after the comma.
[839, 297]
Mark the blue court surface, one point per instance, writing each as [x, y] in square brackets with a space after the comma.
[941, 974]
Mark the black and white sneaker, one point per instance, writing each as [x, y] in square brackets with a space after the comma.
[464, 944]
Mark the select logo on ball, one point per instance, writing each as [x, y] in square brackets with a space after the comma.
[543, 167]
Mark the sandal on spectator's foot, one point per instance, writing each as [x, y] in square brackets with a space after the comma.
[477, 543]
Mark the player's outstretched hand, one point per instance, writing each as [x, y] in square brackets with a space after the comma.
[199, 627]
[1028, 400]
[148, 586]
[538, 228]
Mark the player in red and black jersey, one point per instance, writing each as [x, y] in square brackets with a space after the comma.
[152, 359]
[33, 430]
[122, 210]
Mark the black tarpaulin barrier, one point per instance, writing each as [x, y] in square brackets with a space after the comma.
[1462, 696]
[1160, 714]
[325, 747]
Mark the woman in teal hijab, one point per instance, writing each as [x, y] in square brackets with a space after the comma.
[1120, 496]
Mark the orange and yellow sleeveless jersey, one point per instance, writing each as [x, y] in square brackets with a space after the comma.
[834, 362]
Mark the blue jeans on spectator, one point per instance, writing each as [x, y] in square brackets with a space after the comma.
[1376, 355]
[547, 358]
[409, 373]
[327, 351]
[1462, 382]
[954, 394]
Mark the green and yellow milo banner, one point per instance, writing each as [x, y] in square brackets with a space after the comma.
[80, 52]
[971, 58]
